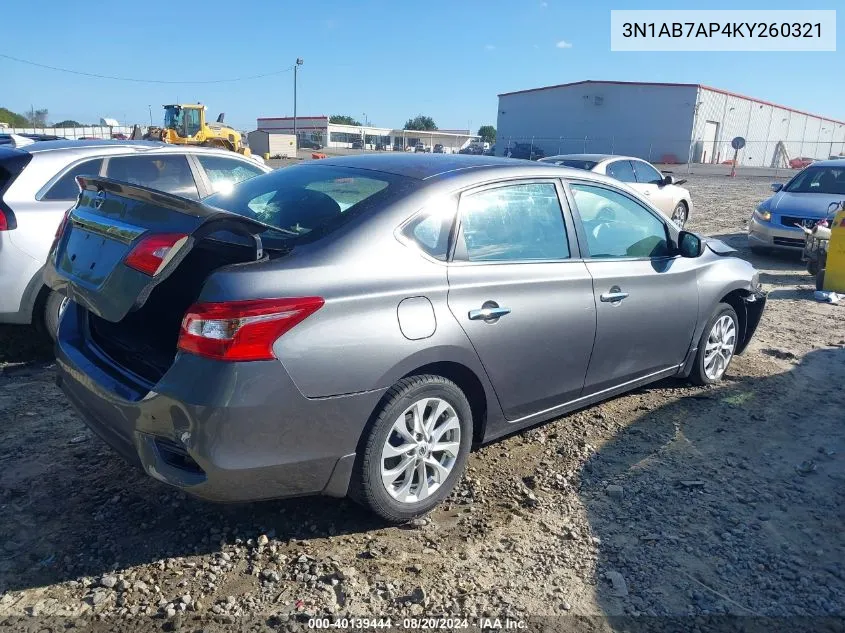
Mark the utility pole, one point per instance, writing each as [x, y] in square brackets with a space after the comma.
[151, 114]
[295, 67]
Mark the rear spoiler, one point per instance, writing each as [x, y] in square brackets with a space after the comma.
[20, 141]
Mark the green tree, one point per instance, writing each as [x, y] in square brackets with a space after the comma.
[67, 123]
[487, 133]
[13, 118]
[420, 122]
[343, 119]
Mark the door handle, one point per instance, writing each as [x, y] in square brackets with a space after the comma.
[488, 313]
[614, 296]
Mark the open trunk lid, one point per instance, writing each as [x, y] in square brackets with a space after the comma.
[94, 260]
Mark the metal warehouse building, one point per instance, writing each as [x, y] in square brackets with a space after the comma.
[663, 122]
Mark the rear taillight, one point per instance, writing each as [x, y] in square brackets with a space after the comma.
[152, 253]
[61, 229]
[4, 223]
[242, 330]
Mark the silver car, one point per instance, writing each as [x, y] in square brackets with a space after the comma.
[357, 324]
[644, 178]
[38, 184]
[808, 197]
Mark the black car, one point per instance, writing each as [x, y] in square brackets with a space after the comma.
[305, 143]
[357, 144]
[525, 150]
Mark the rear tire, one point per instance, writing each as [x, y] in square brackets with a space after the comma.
[51, 314]
[404, 470]
[820, 279]
[716, 346]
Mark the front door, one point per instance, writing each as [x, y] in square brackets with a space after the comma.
[526, 305]
[650, 184]
[646, 297]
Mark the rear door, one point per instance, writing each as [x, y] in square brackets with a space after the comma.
[646, 297]
[521, 294]
[120, 241]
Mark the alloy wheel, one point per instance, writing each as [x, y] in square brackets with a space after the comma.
[679, 215]
[720, 346]
[421, 450]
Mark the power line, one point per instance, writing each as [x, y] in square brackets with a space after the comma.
[144, 81]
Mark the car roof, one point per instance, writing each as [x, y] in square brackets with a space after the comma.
[106, 147]
[71, 144]
[425, 166]
[832, 162]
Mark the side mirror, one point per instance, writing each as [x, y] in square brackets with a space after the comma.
[689, 244]
[777, 186]
[668, 180]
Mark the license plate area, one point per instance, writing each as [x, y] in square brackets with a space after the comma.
[88, 258]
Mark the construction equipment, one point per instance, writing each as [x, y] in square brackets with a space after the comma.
[185, 124]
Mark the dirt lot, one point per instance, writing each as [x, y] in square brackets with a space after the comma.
[672, 500]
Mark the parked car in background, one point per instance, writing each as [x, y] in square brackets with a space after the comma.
[38, 184]
[460, 344]
[807, 198]
[527, 151]
[801, 162]
[359, 144]
[439, 149]
[661, 190]
[421, 147]
[307, 143]
[382, 147]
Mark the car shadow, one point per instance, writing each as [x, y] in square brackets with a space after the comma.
[23, 344]
[728, 502]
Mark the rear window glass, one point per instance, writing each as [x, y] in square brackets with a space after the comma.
[169, 173]
[311, 200]
[66, 188]
[586, 165]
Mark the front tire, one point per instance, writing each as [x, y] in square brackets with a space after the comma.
[680, 214]
[716, 347]
[415, 449]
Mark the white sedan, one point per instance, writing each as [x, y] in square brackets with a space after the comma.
[662, 191]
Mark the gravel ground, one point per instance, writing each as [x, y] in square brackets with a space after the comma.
[673, 500]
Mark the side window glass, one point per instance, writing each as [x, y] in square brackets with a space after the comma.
[430, 229]
[169, 173]
[616, 226]
[65, 188]
[225, 173]
[514, 223]
[646, 174]
[621, 170]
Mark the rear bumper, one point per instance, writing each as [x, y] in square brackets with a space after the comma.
[219, 431]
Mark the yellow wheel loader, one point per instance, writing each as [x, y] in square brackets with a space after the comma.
[185, 124]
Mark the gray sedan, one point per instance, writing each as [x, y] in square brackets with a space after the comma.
[811, 195]
[353, 326]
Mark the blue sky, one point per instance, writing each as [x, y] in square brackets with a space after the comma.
[388, 59]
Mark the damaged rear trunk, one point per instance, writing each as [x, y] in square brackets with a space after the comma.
[144, 341]
[136, 259]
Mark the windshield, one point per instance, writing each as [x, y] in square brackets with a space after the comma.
[173, 117]
[829, 180]
[311, 200]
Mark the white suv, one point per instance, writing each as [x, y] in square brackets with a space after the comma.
[38, 184]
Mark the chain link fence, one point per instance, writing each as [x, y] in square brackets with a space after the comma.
[778, 156]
